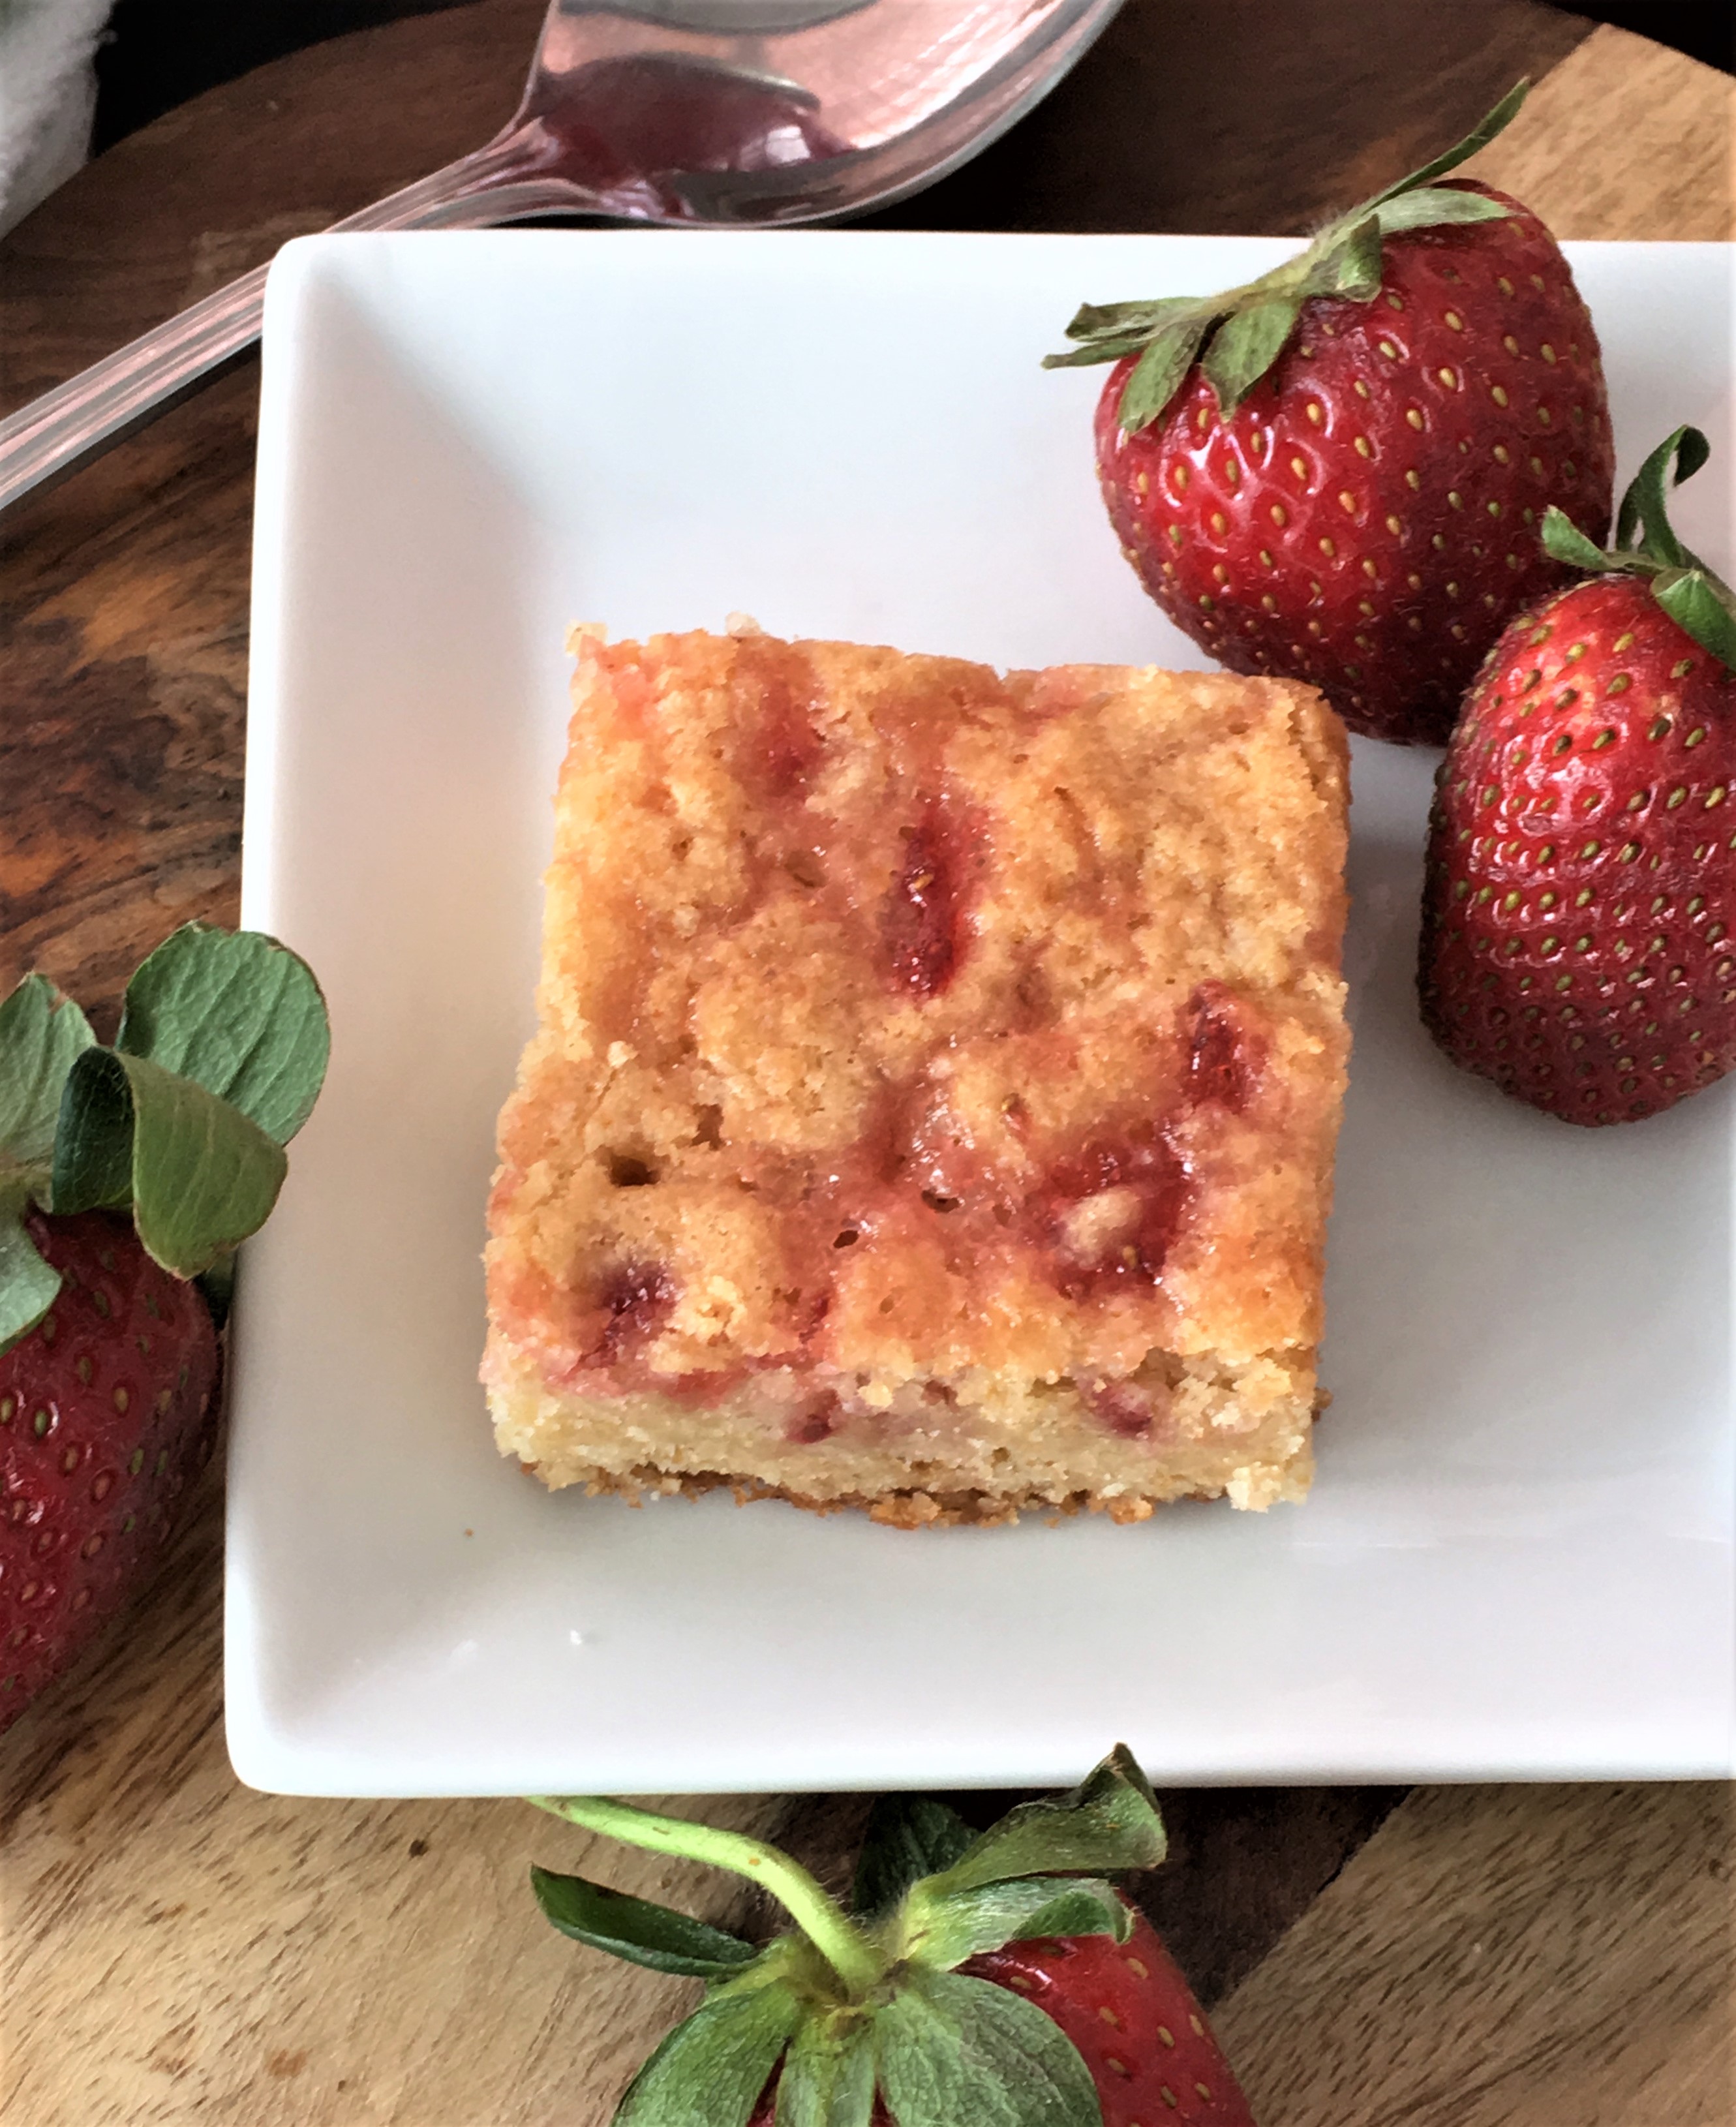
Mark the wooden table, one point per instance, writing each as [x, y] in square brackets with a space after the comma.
[179, 1949]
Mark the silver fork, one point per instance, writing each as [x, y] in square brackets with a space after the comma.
[708, 113]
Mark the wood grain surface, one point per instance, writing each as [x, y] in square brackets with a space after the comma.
[1677, 122]
[1508, 1957]
[179, 1949]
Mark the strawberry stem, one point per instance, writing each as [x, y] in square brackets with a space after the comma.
[1699, 602]
[1242, 333]
[821, 1920]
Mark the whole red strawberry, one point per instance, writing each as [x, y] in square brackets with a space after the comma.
[109, 1356]
[1581, 884]
[1336, 474]
[974, 1978]
[107, 1409]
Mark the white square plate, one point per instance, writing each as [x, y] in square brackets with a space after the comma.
[1518, 1558]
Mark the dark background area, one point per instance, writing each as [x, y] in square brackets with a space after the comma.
[160, 53]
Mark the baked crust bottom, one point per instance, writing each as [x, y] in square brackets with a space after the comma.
[903, 1509]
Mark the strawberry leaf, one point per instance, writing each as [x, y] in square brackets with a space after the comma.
[1109, 348]
[1498, 120]
[710, 2070]
[908, 1837]
[238, 1013]
[953, 2050]
[637, 1930]
[209, 1014]
[1245, 346]
[1691, 598]
[1644, 510]
[41, 1034]
[200, 1174]
[1157, 375]
[1430, 209]
[942, 1931]
[1110, 330]
[1108, 1822]
[27, 1285]
[828, 2075]
[93, 1144]
[1351, 268]
[1101, 320]
[1562, 539]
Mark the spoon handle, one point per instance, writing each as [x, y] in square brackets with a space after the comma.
[66, 428]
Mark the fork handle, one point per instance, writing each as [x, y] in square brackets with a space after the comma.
[77, 421]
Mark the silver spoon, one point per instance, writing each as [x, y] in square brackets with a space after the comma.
[707, 113]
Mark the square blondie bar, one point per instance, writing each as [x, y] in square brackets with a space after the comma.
[933, 1104]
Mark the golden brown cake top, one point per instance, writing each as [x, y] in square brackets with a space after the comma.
[898, 1019]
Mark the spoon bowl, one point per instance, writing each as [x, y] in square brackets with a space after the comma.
[746, 111]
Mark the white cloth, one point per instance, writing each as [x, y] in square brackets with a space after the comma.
[48, 94]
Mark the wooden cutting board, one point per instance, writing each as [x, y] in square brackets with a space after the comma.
[179, 1949]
